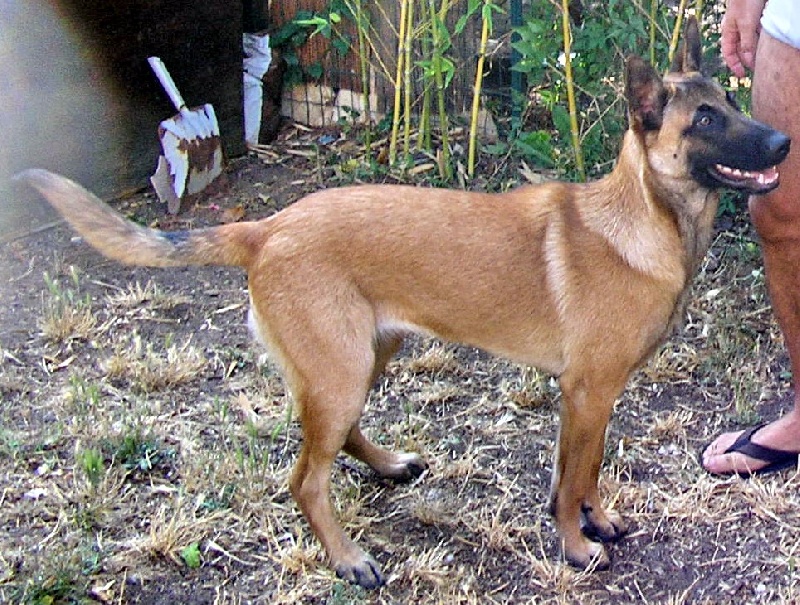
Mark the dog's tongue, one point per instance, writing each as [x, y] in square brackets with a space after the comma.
[763, 178]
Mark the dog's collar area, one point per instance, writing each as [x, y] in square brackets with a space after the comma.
[753, 181]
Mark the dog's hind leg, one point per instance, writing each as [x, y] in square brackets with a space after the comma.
[327, 355]
[586, 409]
[390, 465]
[328, 415]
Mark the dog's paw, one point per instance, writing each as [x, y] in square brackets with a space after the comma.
[604, 527]
[405, 467]
[364, 572]
[587, 555]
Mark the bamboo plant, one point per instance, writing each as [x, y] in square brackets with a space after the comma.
[437, 19]
[570, 83]
[408, 88]
[486, 29]
[398, 80]
[362, 28]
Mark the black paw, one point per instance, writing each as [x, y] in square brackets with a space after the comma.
[408, 468]
[606, 533]
[366, 574]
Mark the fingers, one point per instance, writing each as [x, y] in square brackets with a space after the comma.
[731, 54]
[740, 30]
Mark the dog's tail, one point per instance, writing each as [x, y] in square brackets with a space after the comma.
[124, 241]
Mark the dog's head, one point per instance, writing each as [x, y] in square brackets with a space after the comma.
[690, 126]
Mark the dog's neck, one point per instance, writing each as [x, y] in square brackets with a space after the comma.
[636, 223]
[649, 205]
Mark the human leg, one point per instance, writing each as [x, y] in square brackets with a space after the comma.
[776, 217]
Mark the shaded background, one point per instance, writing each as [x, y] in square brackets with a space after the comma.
[77, 95]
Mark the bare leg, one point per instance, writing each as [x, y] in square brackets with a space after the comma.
[776, 216]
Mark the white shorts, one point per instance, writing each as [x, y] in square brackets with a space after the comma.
[781, 20]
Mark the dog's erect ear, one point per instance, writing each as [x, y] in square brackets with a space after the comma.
[690, 52]
[645, 93]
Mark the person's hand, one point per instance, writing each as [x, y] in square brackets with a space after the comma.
[740, 29]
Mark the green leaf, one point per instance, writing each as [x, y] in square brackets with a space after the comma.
[315, 21]
[448, 69]
[537, 145]
[315, 70]
[462, 22]
[496, 148]
[191, 556]
[561, 120]
[341, 45]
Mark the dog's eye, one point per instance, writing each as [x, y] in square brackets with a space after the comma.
[705, 117]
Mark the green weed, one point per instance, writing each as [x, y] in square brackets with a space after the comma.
[191, 555]
[137, 452]
[92, 465]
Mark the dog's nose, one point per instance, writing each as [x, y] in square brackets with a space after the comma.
[778, 144]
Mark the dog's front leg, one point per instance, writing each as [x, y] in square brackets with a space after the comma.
[585, 413]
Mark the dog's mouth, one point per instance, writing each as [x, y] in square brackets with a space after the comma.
[750, 181]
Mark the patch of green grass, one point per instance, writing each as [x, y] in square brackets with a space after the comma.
[60, 580]
[83, 395]
[221, 500]
[51, 589]
[344, 593]
[191, 555]
[137, 452]
[10, 446]
[91, 463]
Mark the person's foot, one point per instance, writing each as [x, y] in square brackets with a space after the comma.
[759, 450]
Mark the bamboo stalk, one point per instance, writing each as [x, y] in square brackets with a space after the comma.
[401, 40]
[445, 169]
[476, 91]
[375, 54]
[573, 112]
[653, 12]
[408, 81]
[364, 65]
[424, 135]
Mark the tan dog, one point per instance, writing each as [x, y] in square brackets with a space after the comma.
[581, 280]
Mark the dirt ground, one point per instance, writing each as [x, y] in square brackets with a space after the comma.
[146, 442]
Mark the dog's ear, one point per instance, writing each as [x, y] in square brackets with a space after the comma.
[690, 52]
[646, 95]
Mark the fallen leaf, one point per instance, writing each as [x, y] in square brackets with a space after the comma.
[421, 168]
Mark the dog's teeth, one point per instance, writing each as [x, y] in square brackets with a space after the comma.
[766, 177]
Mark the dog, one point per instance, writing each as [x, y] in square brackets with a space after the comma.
[584, 281]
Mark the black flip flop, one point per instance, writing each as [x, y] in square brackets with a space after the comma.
[777, 460]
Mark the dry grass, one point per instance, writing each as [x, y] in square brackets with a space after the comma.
[154, 428]
[66, 311]
[147, 368]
